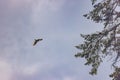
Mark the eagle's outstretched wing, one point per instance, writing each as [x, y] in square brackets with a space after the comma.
[36, 41]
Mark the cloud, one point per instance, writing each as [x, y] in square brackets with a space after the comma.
[55, 4]
[49, 5]
[19, 3]
[5, 70]
[30, 70]
[44, 8]
[17, 19]
[69, 78]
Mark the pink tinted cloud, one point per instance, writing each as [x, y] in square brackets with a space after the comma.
[51, 4]
[5, 70]
[18, 3]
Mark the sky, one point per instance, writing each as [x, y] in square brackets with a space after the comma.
[59, 23]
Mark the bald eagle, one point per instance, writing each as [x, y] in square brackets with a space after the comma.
[36, 41]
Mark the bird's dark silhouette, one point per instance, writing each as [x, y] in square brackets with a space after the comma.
[36, 41]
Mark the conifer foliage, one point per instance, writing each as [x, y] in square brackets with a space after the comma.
[98, 45]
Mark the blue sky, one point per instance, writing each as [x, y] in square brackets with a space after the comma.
[59, 23]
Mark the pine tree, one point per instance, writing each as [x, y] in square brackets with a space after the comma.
[98, 45]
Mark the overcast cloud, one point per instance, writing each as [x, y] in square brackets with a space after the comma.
[59, 23]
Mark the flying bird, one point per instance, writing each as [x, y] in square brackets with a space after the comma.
[36, 41]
